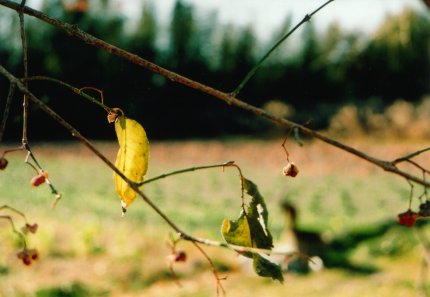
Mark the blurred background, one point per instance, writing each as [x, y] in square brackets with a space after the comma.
[354, 63]
[359, 71]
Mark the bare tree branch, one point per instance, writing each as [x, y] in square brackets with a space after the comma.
[75, 133]
[73, 30]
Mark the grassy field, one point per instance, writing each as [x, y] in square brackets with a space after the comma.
[87, 248]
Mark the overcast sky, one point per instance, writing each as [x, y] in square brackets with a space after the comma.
[269, 14]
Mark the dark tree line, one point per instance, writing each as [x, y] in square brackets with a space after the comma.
[317, 73]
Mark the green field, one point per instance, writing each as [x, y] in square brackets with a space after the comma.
[87, 248]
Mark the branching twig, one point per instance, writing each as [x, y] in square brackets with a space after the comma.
[73, 30]
[251, 73]
[410, 156]
[132, 184]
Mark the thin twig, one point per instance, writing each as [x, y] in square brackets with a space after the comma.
[15, 211]
[251, 73]
[164, 175]
[285, 148]
[25, 63]
[191, 169]
[75, 90]
[410, 156]
[39, 169]
[214, 271]
[73, 30]
[418, 166]
[75, 133]
[411, 193]
[6, 110]
[19, 234]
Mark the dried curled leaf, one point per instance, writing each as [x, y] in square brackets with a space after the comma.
[132, 158]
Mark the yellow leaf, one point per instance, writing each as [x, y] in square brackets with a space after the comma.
[132, 158]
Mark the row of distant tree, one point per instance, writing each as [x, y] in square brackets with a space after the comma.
[314, 73]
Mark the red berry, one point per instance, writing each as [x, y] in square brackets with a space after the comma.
[33, 254]
[181, 257]
[290, 170]
[27, 261]
[3, 163]
[38, 180]
[408, 218]
[26, 255]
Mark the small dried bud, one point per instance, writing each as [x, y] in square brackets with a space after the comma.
[408, 218]
[39, 179]
[3, 163]
[290, 169]
[29, 228]
[111, 117]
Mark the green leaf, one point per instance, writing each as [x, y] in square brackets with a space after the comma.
[237, 232]
[257, 215]
[263, 267]
[250, 230]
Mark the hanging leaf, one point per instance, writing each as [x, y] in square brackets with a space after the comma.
[263, 267]
[250, 230]
[237, 232]
[258, 217]
[132, 158]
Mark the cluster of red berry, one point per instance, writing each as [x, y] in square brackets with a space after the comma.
[28, 255]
